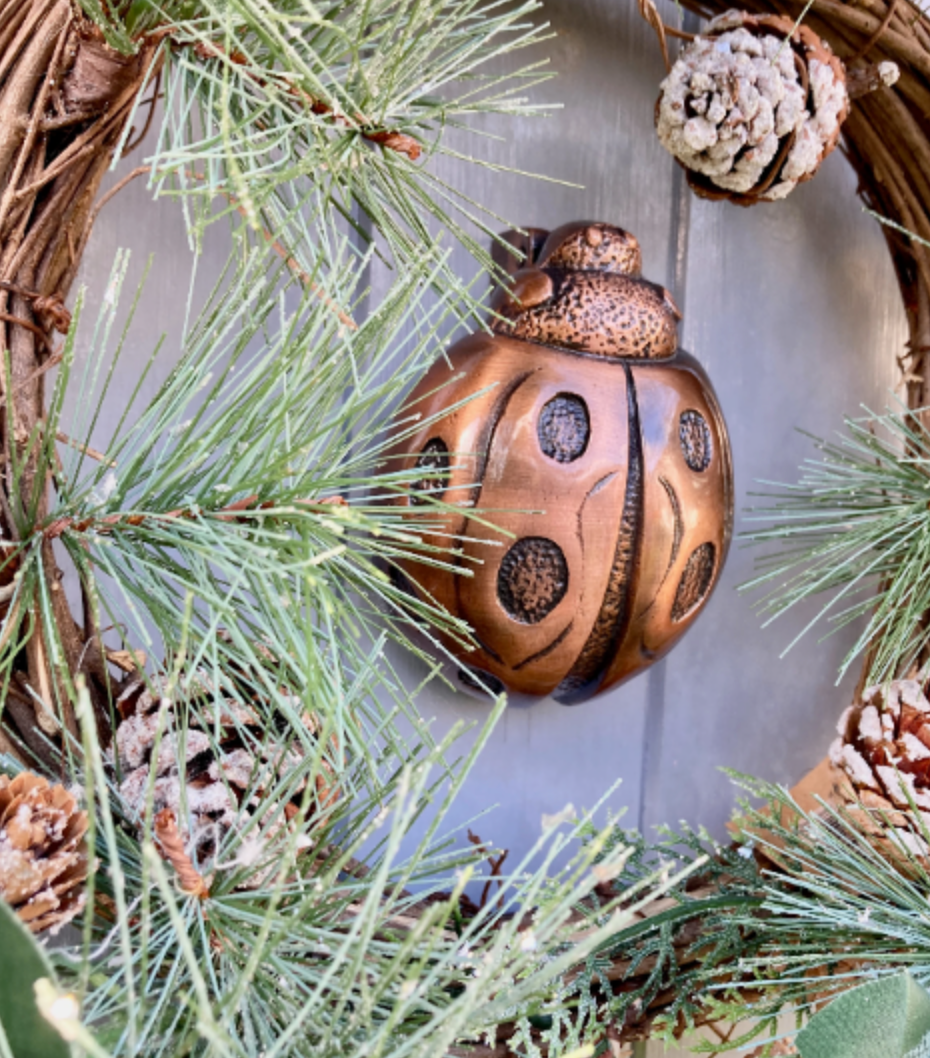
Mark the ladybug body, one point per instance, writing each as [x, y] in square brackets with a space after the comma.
[598, 449]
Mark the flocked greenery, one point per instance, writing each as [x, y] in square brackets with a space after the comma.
[856, 529]
[235, 534]
[345, 944]
[802, 907]
[241, 514]
[269, 107]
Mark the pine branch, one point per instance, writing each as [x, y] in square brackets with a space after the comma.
[314, 120]
[322, 959]
[251, 484]
[392, 141]
[856, 528]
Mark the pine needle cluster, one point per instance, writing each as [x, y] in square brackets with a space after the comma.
[304, 117]
[232, 541]
[343, 944]
[802, 907]
[837, 912]
[856, 528]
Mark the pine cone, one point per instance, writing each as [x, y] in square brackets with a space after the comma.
[882, 762]
[43, 854]
[752, 107]
[231, 761]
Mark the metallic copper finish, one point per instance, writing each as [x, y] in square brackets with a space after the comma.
[608, 473]
[585, 293]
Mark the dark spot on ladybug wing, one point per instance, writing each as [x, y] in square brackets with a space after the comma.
[694, 437]
[563, 428]
[695, 581]
[434, 462]
[532, 579]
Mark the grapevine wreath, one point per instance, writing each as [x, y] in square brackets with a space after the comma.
[820, 888]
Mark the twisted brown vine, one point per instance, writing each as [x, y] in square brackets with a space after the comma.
[65, 100]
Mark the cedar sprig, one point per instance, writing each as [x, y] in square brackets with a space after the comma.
[856, 529]
[675, 959]
[836, 912]
[801, 906]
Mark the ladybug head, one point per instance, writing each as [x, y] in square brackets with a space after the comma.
[582, 290]
[592, 247]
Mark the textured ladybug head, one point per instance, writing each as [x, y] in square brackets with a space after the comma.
[586, 246]
[584, 292]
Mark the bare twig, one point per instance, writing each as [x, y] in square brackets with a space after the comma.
[190, 880]
[86, 449]
[241, 510]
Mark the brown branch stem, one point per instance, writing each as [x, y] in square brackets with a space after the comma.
[390, 140]
[239, 511]
[169, 839]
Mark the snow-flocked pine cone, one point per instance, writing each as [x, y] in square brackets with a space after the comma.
[752, 107]
[232, 761]
[882, 758]
[43, 852]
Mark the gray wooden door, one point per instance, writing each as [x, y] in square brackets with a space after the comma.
[794, 311]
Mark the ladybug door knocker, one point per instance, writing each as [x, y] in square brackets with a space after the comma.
[598, 447]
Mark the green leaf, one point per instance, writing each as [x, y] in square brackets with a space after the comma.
[888, 1018]
[922, 1050]
[28, 1034]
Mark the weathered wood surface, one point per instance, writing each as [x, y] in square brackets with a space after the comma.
[793, 309]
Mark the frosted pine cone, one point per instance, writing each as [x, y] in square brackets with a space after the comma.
[43, 854]
[231, 761]
[882, 756]
[752, 107]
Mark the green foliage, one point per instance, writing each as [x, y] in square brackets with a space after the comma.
[836, 913]
[802, 907]
[337, 936]
[684, 950]
[344, 945]
[24, 1033]
[888, 1018]
[856, 528]
[274, 409]
[237, 529]
[277, 112]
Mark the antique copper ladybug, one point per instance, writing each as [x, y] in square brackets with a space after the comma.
[598, 447]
